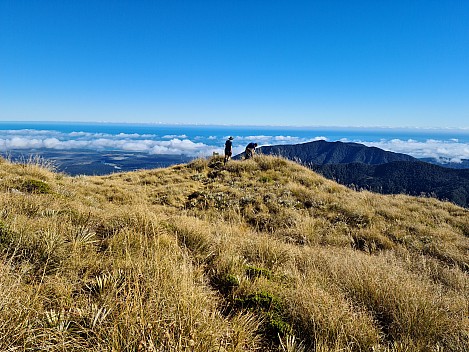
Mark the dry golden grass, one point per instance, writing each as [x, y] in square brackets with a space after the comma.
[261, 254]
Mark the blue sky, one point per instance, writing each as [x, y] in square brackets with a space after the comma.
[318, 63]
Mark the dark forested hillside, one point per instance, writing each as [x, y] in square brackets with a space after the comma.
[322, 152]
[408, 177]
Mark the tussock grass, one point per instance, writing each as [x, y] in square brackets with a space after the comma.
[260, 254]
[407, 307]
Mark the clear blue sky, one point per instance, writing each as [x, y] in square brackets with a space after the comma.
[329, 63]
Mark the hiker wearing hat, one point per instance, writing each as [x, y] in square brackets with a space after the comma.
[228, 149]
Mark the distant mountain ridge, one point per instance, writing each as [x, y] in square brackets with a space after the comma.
[377, 170]
[322, 152]
[462, 164]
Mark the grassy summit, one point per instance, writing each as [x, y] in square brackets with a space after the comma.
[261, 254]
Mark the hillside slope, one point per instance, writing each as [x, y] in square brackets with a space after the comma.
[262, 254]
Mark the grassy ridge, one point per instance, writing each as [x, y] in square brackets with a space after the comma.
[261, 254]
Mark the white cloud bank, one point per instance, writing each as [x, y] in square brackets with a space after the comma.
[32, 139]
[450, 150]
[453, 150]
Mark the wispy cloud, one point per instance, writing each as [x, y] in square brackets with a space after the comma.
[171, 136]
[279, 139]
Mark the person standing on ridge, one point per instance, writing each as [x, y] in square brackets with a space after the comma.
[228, 149]
[250, 150]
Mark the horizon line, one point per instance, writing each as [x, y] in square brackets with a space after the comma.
[423, 128]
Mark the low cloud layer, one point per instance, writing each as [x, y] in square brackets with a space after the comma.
[33, 139]
[450, 150]
[453, 150]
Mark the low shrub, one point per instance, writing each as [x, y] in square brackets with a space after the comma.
[35, 186]
[255, 272]
[271, 308]
[224, 282]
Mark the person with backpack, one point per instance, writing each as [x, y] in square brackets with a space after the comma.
[228, 149]
[250, 150]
